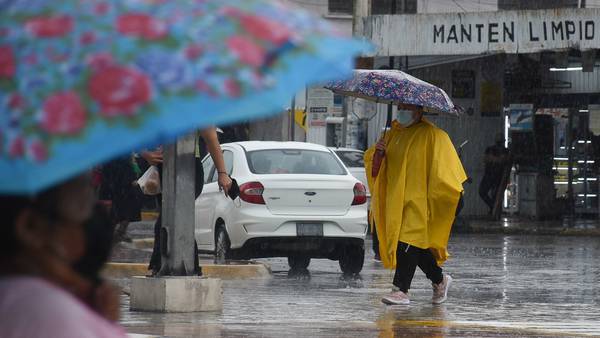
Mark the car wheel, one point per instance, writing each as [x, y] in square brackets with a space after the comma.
[222, 245]
[298, 262]
[352, 259]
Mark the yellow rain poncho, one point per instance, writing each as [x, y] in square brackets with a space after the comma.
[415, 194]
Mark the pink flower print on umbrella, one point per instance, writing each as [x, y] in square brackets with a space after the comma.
[101, 8]
[37, 151]
[204, 87]
[247, 50]
[87, 38]
[119, 90]
[100, 61]
[265, 29]
[63, 114]
[15, 101]
[7, 62]
[141, 26]
[192, 52]
[49, 27]
[233, 88]
[16, 146]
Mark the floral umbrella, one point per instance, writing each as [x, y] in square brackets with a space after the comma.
[82, 81]
[393, 87]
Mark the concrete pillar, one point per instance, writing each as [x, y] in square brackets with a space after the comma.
[183, 292]
[177, 233]
[362, 9]
[176, 294]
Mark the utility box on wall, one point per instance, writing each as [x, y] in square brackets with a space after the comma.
[536, 195]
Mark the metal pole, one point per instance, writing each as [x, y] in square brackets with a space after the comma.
[361, 10]
[570, 198]
[177, 232]
[293, 119]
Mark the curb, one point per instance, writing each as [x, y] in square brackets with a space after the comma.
[245, 270]
[529, 231]
[143, 243]
[149, 215]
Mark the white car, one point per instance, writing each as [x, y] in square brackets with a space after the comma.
[297, 200]
[354, 160]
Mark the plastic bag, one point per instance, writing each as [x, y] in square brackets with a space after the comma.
[150, 181]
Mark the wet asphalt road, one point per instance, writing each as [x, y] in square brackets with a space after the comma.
[504, 286]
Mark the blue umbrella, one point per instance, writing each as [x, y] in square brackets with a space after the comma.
[84, 81]
[394, 87]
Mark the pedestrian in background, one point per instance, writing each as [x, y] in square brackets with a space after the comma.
[496, 159]
[211, 141]
[415, 195]
[119, 185]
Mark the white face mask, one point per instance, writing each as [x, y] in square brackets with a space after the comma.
[405, 117]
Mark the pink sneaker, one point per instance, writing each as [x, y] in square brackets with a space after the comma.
[440, 291]
[396, 298]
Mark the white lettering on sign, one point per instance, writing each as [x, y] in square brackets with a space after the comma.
[477, 33]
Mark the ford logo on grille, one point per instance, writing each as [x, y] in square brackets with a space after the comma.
[310, 193]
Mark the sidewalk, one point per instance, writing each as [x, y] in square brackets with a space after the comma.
[131, 259]
[514, 225]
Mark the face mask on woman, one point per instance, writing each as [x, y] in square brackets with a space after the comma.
[405, 117]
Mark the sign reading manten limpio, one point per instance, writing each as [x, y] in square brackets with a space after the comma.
[484, 32]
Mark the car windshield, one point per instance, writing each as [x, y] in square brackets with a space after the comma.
[294, 161]
[351, 159]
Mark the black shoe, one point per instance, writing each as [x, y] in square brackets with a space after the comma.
[377, 257]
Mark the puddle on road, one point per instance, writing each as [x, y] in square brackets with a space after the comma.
[360, 290]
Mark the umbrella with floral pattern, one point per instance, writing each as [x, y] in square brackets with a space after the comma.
[82, 81]
[393, 87]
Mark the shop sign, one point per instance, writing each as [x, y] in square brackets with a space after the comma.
[525, 31]
[521, 117]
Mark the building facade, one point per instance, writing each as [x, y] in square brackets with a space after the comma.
[558, 75]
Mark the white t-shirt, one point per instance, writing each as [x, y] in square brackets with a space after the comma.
[32, 307]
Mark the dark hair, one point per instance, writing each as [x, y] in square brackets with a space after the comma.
[10, 207]
[99, 231]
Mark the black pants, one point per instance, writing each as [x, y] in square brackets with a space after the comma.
[408, 258]
[489, 185]
[375, 241]
[156, 258]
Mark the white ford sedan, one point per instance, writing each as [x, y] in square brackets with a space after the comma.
[297, 200]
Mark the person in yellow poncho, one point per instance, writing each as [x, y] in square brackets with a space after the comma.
[414, 201]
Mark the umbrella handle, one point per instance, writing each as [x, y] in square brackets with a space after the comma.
[388, 122]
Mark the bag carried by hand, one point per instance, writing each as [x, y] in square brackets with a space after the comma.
[150, 181]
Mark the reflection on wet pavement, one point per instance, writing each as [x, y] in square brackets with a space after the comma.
[504, 286]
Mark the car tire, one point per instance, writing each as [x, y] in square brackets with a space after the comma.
[352, 259]
[222, 245]
[298, 262]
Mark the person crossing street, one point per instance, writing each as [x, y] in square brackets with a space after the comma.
[415, 195]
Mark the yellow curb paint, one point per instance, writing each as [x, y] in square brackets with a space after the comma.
[124, 270]
[143, 243]
[149, 215]
[222, 271]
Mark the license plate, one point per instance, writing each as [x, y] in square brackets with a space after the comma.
[309, 229]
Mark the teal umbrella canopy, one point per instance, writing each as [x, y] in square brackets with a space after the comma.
[84, 81]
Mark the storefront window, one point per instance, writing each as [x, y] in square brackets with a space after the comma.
[340, 7]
